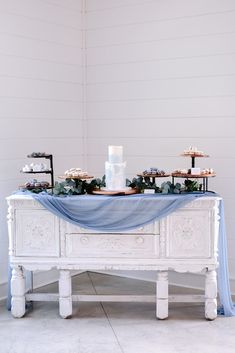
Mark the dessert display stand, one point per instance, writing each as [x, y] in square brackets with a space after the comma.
[193, 156]
[204, 178]
[49, 171]
[188, 176]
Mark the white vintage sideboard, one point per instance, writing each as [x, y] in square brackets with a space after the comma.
[184, 241]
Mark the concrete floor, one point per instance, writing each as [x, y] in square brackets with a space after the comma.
[115, 327]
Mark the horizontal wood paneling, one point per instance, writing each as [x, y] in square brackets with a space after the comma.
[72, 5]
[178, 68]
[149, 90]
[27, 68]
[37, 89]
[160, 77]
[41, 93]
[54, 129]
[52, 12]
[172, 147]
[165, 49]
[154, 31]
[168, 107]
[36, 49]
[18, 26]
[60, 146]
[134, 9]
[179, 128]
[39, 109]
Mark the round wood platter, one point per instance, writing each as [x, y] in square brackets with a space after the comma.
[197, 155]
[127, 191]
[76, 177]
[154, 175]
[35, 187]
[179, 175]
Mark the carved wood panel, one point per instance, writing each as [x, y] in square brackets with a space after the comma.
[189, 234]
[112, 245]
[37, 233]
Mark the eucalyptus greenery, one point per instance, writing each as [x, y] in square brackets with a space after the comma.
[69, 187]
[192, 185]
[142, 183]
[79, 187]
[169, 188]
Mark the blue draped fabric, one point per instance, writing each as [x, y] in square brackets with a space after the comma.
[122, 213]
[116, 213]
[227, 306]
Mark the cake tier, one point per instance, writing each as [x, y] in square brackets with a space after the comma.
[115, 175]
[115, 154]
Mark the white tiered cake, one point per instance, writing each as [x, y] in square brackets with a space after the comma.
[115, 168]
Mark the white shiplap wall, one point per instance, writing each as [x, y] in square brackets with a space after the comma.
[41, 95]
[161, 77]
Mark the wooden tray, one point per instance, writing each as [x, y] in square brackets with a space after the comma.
[35, 187]
[76, 177]
[179, 175]
[128, 191]
[154, 175]
[194, 155]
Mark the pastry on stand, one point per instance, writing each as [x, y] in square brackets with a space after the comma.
[76, 174]
[153, 173]
[38, 168]
[194, 172]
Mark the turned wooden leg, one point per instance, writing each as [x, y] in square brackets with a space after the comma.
[65, 294]
[162, 295]
[17, 292]
[211, 295]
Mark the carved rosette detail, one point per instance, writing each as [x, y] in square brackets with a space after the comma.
[38, 233]
[189, 234]
[111, 243]
[10, 224]
[185, 233]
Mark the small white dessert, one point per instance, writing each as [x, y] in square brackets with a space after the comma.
[181, 171]
[26, 168]
[192, 150]
[75, 172]
[207, 171]
[195, 171]
[36, 167]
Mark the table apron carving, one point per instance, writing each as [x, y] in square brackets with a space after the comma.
[184, 241]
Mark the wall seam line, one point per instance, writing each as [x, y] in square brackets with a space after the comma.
[84, 84]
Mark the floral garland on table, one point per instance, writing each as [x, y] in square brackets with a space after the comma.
[142, 183]
[80, 187]
[77, 187]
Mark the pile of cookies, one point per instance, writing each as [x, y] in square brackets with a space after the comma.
[75, 172]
